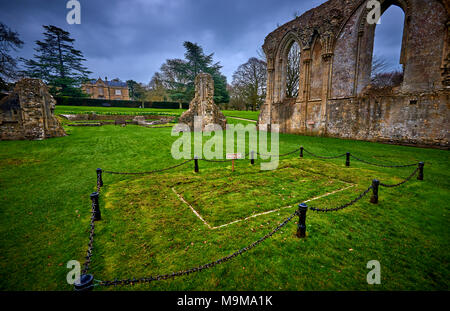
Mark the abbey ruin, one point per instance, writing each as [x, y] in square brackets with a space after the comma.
[335, 96]
[27, 113]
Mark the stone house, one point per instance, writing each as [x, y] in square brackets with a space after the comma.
[114, 89]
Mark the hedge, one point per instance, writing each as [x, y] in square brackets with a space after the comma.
[93, 102]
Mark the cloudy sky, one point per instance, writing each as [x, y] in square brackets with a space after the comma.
[130, 39]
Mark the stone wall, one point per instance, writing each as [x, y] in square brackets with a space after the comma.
[335, 96]
[203, 106]
[27, 113]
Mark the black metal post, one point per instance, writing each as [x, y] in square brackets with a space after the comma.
[99, 177]
[347, 159]
[420, 177]
[252, 157]
[196, 164]
[374, 198]
[301, 227]
[85, 282]
[94, 198]
[301, 152]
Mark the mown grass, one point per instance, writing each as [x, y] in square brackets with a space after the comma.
[252, 115]
[146, 230]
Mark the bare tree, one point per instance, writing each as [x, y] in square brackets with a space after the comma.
[382, 76]
[379, 65]
[293, 71]
[249, 83]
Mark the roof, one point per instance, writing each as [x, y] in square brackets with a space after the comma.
[113, 83]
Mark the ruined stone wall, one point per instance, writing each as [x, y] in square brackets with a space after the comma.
[335, 95]
[27, 113]
[408, 119]
[202, 105]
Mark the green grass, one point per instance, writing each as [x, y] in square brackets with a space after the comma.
[251, 115]
[146, 229]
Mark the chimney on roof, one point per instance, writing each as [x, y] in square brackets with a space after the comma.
[106, 78]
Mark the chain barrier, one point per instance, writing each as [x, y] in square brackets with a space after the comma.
[344, 205]
[381, 165]
[402, 182]
[99, 185]
[280, 155]
[95, 215]
[198, 268]
[91, 241]
[150, 172]
[227, 160]
[322, 157]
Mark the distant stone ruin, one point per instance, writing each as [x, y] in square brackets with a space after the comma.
[335, 95]
[27, 113]
[203, 105]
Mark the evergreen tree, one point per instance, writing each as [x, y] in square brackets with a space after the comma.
[136, 90]
[9, 41]
[58, 63]
[178, 75]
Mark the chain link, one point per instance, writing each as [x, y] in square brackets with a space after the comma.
[227, 160]
[98, 184]
[91, 241]
[402, 182]
[150, 172]
[382, 165]
[199, 268]
[322, 157]
[344, 205]
[279, 155]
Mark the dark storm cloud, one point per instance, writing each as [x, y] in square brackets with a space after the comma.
[130, 39]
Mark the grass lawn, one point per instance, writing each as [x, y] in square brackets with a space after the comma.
[146, 229]
[252, 115]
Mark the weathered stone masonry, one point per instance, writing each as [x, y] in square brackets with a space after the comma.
[335, 96]
[27, 113]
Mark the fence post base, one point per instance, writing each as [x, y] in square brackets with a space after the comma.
[252, 158]
[347, 159]
[85, 283]
[420, 176]
[374, 198]
[301, 227]
[196, 164]
[301, 152]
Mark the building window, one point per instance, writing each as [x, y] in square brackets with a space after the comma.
[88, 90]
[118, 92]
[100, 91]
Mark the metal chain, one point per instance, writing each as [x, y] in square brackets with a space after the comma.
[280, 155]
[382, 165]
[98, 184]
[402, 182]
[322, 157]
[91, 241]
[150, 172]
[198, 268]
[342, 206]
[227, 160]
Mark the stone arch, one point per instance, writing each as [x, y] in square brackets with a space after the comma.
[316, 70]
[366, 38]
[280, 63]
[419, 44]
